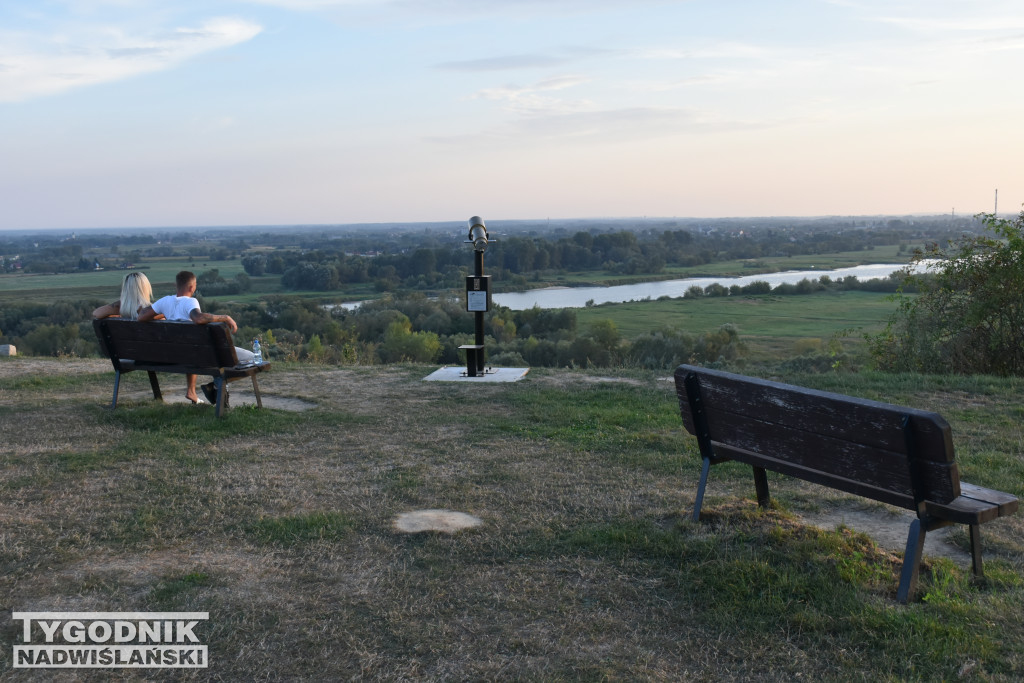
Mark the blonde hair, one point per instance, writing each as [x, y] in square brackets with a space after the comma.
[136, 294]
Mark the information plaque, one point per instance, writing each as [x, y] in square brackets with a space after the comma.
[478, 293]
[476, 301]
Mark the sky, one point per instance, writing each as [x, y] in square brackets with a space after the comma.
[143, 113]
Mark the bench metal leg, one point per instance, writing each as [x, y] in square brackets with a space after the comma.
[155, 383]
[222, 391]
[976, 550]
[700, 489]
[911, 561]
[256, 390]
[117, 384]
[761, 484]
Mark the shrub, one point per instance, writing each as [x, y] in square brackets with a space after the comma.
[807, 345]
[667, 348]
[969, 315]
[402, 344]
[757, 287]
[508, 359]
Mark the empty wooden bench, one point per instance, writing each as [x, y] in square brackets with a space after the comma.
[895, 455]
[182, 348]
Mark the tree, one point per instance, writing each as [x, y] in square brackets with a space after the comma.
[969, 315]
[255, 264]
[606, 333]
[315, 348]
[401, 344]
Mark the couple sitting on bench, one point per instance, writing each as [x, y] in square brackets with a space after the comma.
[136, 293]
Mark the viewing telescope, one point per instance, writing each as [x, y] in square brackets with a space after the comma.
[477, 233]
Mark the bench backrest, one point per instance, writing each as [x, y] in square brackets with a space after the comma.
[182, 344]
[888, 453]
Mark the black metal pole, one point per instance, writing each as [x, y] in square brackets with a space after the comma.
[479, 261]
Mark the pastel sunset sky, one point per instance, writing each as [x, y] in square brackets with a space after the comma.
[141, 113]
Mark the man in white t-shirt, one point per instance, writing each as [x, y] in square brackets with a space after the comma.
[183, 306]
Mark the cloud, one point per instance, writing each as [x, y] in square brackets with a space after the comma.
[957, 24]
[528, 100]
[507, 62]
[631, 123]
[721, 50]
[321, 4]
[456, 7]
[50, 65]
[605, 126]
[713, 79]
[454, 12]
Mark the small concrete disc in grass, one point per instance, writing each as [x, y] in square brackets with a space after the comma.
[435, 520]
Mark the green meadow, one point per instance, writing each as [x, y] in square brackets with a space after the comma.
[106, 284]
[771, 326]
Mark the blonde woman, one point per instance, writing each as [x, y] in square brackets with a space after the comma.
[136, 294]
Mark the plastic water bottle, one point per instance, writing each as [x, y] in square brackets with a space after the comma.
[257, 351]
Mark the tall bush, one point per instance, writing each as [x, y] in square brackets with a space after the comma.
[968, 317]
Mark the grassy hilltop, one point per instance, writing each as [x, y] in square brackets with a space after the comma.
[279, 523]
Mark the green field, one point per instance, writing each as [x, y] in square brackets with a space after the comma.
[159, 271]
[768, 323]
[105, 285]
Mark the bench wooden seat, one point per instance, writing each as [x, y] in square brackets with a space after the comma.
[895, 455]
[182, 348]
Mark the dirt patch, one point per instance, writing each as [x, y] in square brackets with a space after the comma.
[237, 400]
[444, 521]
[889, 529]
[614, 380]
[569, 379]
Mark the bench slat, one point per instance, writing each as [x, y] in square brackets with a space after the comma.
[884, 495]
[827, 455]
[832, 463]
[964, 510]
[202, 355]
[1004, 502]
[842, 417]
[237, 371]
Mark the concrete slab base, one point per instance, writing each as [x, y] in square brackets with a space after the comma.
[458, 374]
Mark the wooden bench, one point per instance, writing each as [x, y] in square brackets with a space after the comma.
[900, 456]
[179, 347]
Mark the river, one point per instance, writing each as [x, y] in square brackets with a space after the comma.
[577, 297]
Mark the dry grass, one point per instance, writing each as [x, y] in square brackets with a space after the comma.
[281, 525]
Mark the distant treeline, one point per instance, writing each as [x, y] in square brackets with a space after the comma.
[427, 260]
[517, 260]
[413, 327]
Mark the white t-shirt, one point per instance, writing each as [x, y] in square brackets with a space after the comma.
[176, 307]
[179, 307]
